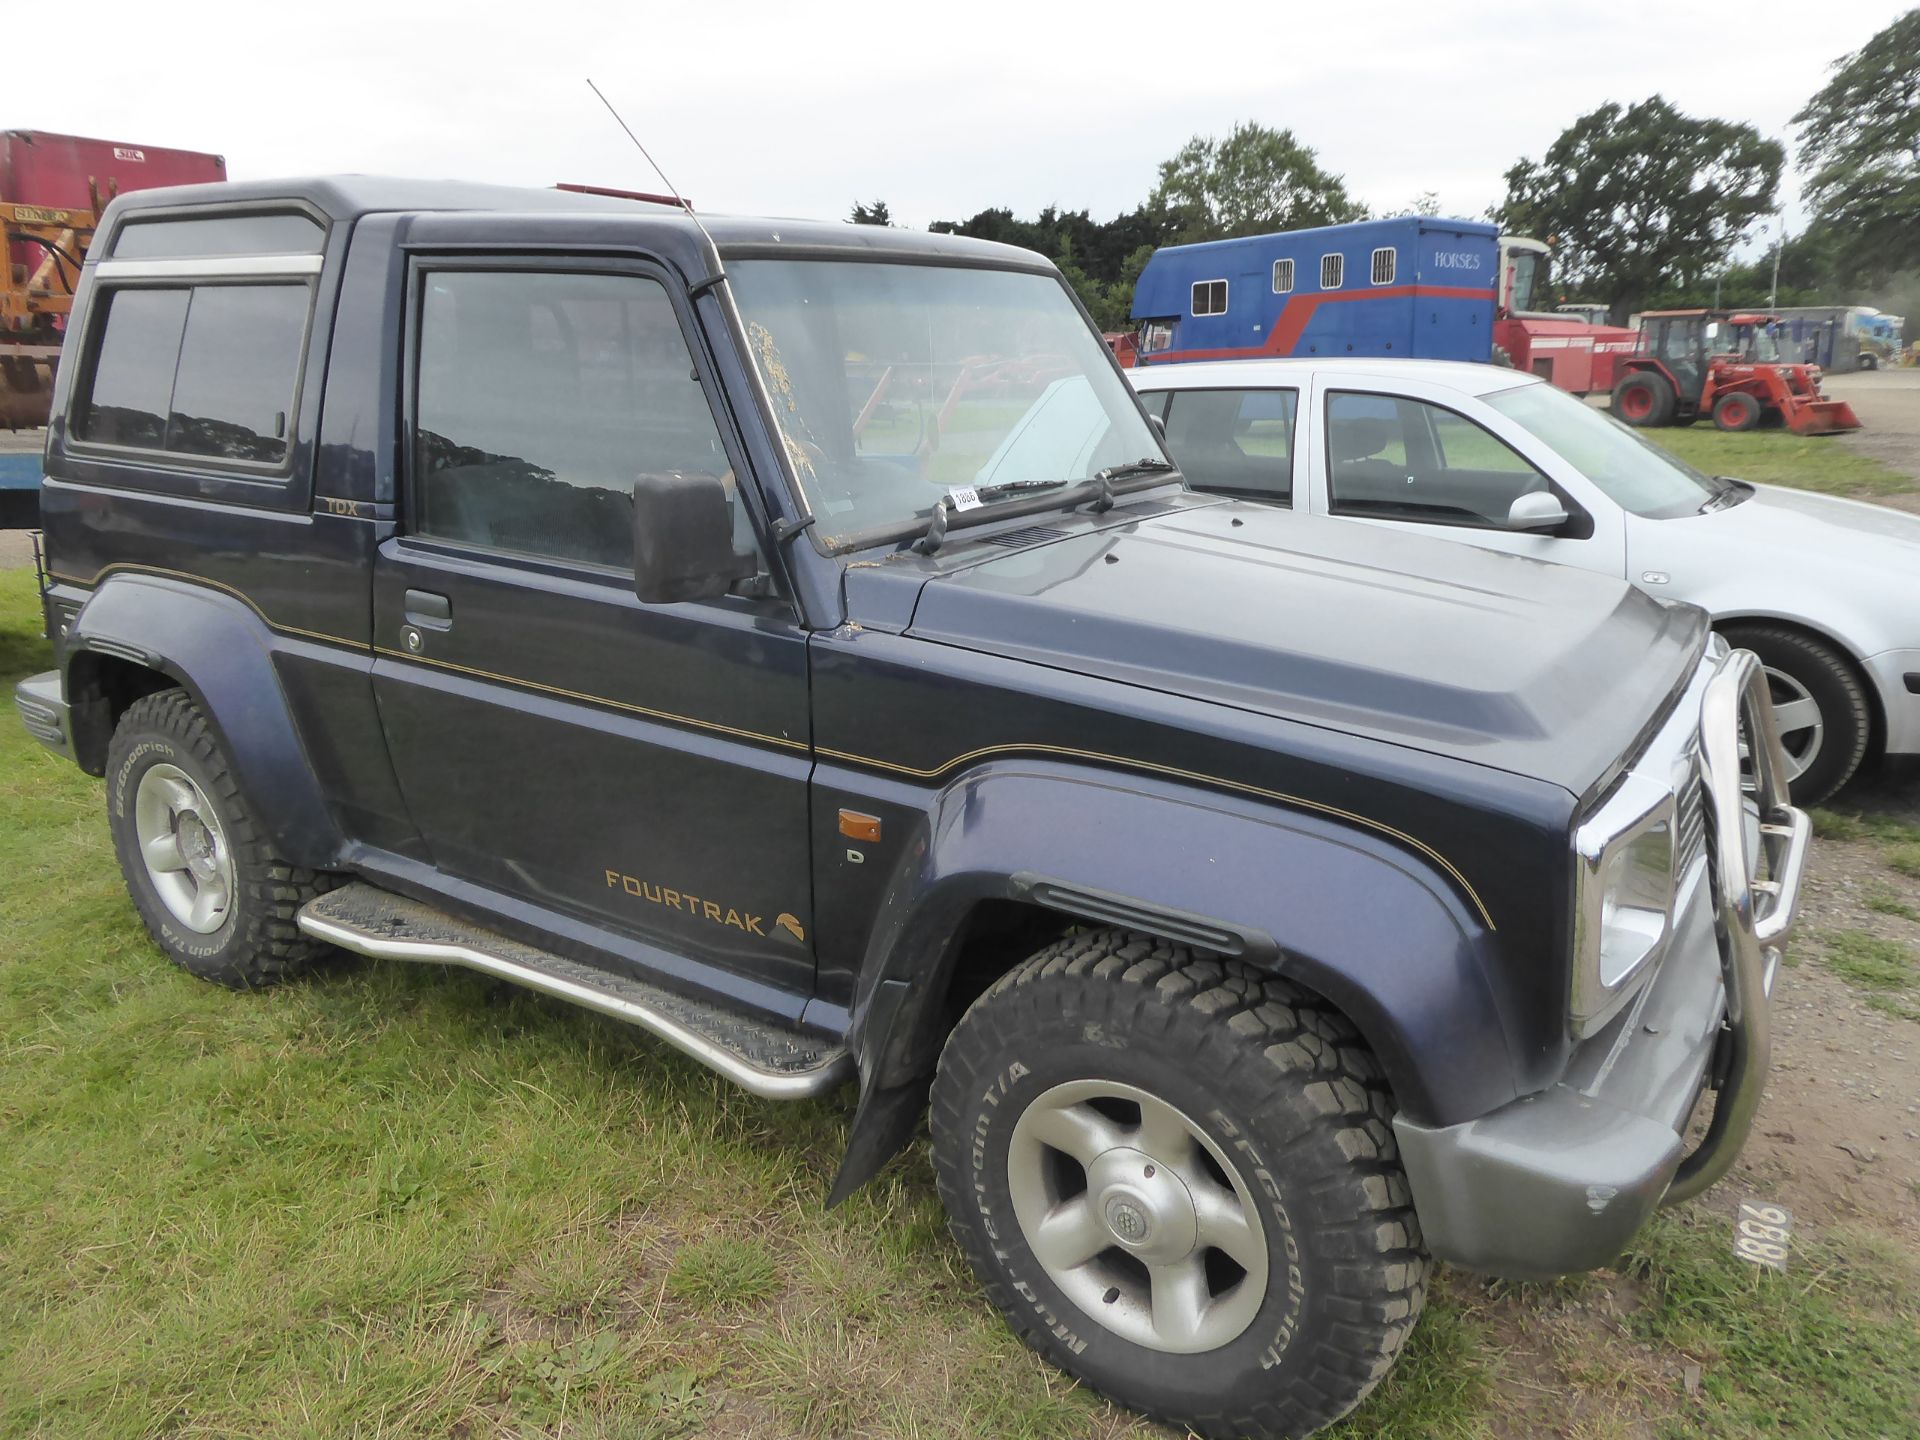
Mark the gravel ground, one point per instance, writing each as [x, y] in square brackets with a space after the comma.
[1888, 404]
[15, 548]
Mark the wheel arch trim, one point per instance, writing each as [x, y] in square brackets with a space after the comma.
[220, 650]
[1370, 927]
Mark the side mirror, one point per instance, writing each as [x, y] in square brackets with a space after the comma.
[1159, 425]
[683, 538]
[1537, 510]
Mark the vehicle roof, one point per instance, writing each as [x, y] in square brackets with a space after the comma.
[1465, 376]
[350, 197]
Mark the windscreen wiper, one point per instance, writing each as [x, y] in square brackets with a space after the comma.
[983, 494]
[1730, 493]
[1148, 465]
[974, 495]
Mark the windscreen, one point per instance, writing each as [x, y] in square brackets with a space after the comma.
[895, 384]
[1529, 278]
[1635, 473]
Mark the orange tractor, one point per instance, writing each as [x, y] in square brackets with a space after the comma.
[1729, 365]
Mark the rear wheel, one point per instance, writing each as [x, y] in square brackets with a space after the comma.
[201, 870]
[1643, 398]
[1177, 1179]
[1736, 410]
[1820, 706]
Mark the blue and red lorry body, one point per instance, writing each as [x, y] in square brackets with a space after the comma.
[1413, 286]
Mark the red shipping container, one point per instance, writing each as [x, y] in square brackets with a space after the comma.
[66, 171]
[41, 169]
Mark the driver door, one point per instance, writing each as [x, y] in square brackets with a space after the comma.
[643, 768]
[1433, 462]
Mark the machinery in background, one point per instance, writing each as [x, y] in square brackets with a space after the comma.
[1738, 367]
[1839, 338]
[51, 188]
[1414, 287]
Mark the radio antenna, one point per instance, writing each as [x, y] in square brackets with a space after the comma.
[672, 189]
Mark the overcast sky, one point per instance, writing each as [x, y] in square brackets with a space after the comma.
[798, 109]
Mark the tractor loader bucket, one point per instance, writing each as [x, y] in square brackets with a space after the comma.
[1819, 417]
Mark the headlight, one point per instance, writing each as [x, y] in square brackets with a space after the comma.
[1623, 894]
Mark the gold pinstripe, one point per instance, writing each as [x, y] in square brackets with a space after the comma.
[1150, 767]
[647, 711]
[221, 585]
[1280, 797]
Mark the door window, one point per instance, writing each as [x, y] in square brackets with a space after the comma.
[1234, 442]
[540, 398]
[1404, 459]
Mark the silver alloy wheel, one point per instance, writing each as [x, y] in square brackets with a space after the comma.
[1802, 727]
[1144, 1223]
[184, 847]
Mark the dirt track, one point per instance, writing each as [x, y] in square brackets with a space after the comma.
[1888, 404]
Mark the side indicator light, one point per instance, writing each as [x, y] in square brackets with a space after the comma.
[856, 826]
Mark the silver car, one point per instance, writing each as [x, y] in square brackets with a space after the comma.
[1825, 591]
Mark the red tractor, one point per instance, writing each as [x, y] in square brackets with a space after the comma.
[1690, 363]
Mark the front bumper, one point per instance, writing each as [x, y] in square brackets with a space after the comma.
[1560, 1181]
[43, 710]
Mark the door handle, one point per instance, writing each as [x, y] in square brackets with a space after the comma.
[428, 610]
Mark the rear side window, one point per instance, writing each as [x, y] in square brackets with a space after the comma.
[132, 390]
[540, 398]
[1282, 277]
[1385, 263]
[1332, 270]
[239, 362]
[207, 370]
[1234, 442]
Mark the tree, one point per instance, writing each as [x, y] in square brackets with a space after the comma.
[1642, 199]
[874, 214]
[1860, 147]
[1255, 181]
[1427, 203]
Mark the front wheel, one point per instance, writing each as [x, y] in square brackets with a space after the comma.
[1819, 704]
[1177, 1179]
[1736, 410]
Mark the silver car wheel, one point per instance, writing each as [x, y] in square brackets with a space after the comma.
[184, 847]
[1802, 727]
[1141, 1220]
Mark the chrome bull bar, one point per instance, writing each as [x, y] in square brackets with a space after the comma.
[1755, 870]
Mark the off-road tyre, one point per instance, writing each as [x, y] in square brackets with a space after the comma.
[1846, 716]
[1643, 397]
[259, 943]
[1736, 410]
[1273, 1075]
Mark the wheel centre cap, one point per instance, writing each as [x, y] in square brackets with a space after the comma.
[1144, 1205]
[196, 844]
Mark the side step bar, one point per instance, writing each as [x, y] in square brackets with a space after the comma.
[766, 1060]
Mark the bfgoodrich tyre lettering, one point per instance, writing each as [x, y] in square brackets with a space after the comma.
[1279, 1088]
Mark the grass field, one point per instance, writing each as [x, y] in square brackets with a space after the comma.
[396, 1201]
[1773, 457]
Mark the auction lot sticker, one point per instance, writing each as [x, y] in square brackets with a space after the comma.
[1763, 1234]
